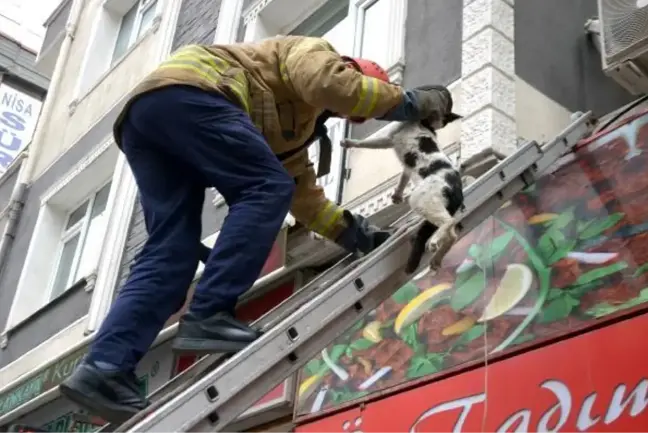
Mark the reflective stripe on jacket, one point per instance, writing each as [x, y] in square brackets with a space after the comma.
[284, 84]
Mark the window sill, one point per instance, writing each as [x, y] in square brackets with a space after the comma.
[86, 284]
[155, 26]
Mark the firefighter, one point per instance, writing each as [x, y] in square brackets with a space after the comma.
[238, 118]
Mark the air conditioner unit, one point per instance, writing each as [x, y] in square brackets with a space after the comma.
[624, 42]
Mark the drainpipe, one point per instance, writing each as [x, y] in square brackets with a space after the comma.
[18, 195]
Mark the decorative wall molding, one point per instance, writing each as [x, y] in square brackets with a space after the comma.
[488, 77]
[76, 170]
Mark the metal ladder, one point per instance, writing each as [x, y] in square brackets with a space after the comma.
[217, 389]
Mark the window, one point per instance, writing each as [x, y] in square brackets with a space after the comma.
[358, 28]
[380, 33]
[81, 241]
[375, 39]
[331, 22]
[69, 234]
[118, 26]
[134, 23]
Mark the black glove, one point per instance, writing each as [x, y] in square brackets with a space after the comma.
[360, 235]
[431, 103]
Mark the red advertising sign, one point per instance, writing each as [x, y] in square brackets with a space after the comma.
[561, 255]
[594, 382]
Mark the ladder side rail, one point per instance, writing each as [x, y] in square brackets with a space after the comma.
[279, 353]
[182, 381]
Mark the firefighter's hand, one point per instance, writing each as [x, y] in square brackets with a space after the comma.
[430, 103]
[360, 235]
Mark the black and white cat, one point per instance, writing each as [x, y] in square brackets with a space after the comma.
[438, 189]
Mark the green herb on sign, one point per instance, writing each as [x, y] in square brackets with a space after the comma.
[361, 344]
[464, 276]
[313, 366]
[468, 292]
[604, 308]
[470, 335]
[337, 351]
[555, 293]
[475, 251]
[495, 248]
[423, 365]
[563, 220]
[558, 309]
[409, 336]
[524, 338]
[641, 270]
[406, 293]
[578, 291]
[602, 272]
[596, 227]
[357, 326]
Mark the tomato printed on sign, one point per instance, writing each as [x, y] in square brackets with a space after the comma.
[596, 382]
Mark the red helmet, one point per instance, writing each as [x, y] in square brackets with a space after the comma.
[370, 69]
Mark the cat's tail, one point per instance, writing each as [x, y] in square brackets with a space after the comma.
[425, 232]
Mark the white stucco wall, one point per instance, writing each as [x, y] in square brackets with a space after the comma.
[73, 114]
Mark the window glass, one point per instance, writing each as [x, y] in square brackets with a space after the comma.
[77, 215]
[94, 235]
[374, 35]
[147, 18]
[125, 32]
[331, 22]
[66, 262]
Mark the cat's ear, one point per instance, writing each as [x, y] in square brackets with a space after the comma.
[452, 117]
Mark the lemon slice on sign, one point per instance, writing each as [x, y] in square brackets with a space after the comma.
[308, 384]
[419, 305]
[513, 286]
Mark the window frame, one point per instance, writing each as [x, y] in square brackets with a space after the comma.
[396, 35]
[82, 227]
[107, 22]
[143, 6]
[83, 180]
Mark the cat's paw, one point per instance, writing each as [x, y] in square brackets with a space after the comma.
[397, 198]
[347, 143]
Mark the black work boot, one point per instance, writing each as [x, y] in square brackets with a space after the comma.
[220, 333]
[113, 396]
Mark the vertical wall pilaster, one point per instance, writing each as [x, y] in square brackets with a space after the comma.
[488, 77]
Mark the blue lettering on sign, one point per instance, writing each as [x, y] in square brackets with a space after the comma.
[16, 104]
[5, 159]
[12, 120]
[15, 112]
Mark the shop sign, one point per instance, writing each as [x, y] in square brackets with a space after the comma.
[562, 254]
[593, 382]
[40, 382]
[18, 117]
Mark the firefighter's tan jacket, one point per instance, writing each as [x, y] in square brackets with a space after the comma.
[284, 84]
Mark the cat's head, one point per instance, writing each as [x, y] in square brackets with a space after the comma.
[445, 114]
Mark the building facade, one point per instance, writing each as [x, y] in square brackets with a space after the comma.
[516, 69]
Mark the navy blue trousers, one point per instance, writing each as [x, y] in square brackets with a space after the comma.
[178, 141]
